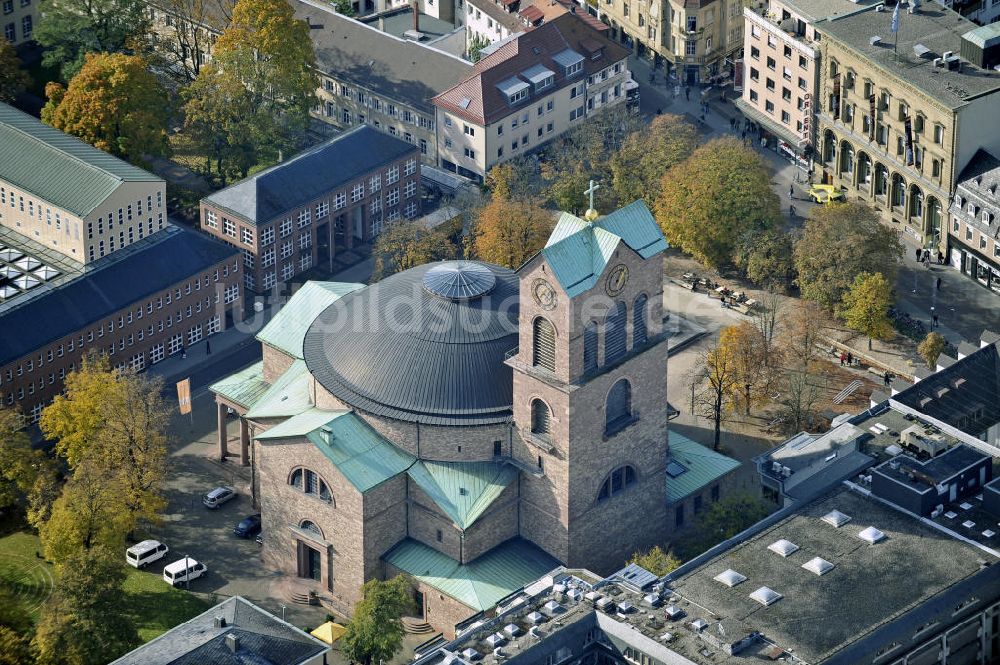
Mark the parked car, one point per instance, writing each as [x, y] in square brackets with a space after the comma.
[249, 526]
[219, 496]
[825, 193]
[183, 570]
[142, 554]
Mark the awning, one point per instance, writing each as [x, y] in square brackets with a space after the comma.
[329, 632]
[769, 123]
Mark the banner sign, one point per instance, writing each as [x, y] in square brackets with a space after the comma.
[807, 117]
[873, 116]
[836, 97]
[184, 395]
[908, 127]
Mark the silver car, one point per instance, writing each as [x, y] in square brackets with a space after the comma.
[219, 496]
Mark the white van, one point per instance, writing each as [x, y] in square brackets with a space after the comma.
[183, 570]
[142, 554]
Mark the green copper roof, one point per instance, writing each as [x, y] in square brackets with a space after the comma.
[286, 330]
[359, 452]
[58, 168]
[578, 251]
[244, 387]
[299, 425]
[691, 466]
[481, 583]
[464, 490]
[288, 396]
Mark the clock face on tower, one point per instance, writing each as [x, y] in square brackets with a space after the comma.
[617, 279]
[543, 293]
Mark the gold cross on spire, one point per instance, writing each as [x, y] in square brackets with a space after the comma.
[591, 213]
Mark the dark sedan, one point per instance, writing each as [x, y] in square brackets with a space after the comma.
[248, 527]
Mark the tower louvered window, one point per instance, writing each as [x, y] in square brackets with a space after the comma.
[639, 321]
[618, 410]
[590, 347]
[541, 420]
[544, 341]
[614, 333]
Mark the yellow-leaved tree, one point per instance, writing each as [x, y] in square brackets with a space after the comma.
[865, 307]
[509, 230]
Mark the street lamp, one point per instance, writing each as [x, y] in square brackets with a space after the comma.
[187, 574]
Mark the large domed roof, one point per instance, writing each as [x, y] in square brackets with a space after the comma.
[426, 345]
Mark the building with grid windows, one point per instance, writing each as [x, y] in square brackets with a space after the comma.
[321, 202]
[89, 263]
[18, 18]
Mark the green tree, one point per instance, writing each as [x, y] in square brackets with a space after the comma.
[476, 46]
[712, 199]
[345, 7]
[838, 242]
[931, 347]
[723, 520]
[656, 560]
[637, 168]
[375, 632]
[404, 245]
[115, 104]
[83, 622]
[865, 307]
[15, 647]
[71, 29]
[13, 79]
[216, 119]
[22, 468]
[765, 257]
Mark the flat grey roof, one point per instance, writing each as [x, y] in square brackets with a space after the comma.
[934, 26]
[940, 468]
[868, 586]
[814, 10]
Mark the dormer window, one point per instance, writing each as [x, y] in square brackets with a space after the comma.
[539, 77]
[972, 209]
[514, 89]
[570, 61]
[518, 96]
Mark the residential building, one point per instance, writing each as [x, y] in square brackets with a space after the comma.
[324, 201]
[902, 114]
[847, 578]
[781, 68]
[370, 77]
[19, 19]
[492, 21]
[982, 13]
[695, 40]
[88, 264]
[234, 631]
[528, 428]
[973, 242]
[526, 92]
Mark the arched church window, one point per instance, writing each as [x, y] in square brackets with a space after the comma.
[617, 481]
[618, 410]
[590, 347]
[309, 482]
[639, 321]
[614, 333]
[295, 480]
[543, 352]
[311, 528]
[541, 418]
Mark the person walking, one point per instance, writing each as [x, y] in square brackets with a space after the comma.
[791, 192]
[887, 379]
[850, 359]
[687, 93]
[919, 254]
[935, 317]
[843, 358]
[791, 211]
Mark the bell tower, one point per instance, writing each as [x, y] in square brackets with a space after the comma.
[590, 377]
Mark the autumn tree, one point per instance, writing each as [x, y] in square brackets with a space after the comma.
[404, 245]
[83, 622]
[73, 28]
[656, 560]
[637, 168]
[865, 307]
[838, 242]
[13, 79]
[375, 632]
[718, 371]
[765, 257]
[22, 468]
[268, 52]
[509, 231]
[743, 346]
[803, 330]
[801, 386]
[115, 104]
[15, 630]
[712, 199]
[767, 319]
[931, 347]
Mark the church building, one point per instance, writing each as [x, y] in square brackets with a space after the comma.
[464, 424]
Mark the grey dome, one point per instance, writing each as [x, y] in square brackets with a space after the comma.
[426, 345]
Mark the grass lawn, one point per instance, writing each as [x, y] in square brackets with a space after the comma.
[154, 605]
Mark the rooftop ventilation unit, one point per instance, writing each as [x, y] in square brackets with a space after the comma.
[673, 612]
[836, 518]
[818, 565]
[552, 607]
[766, 596]
[625, 607]
[871, 535]
[574, 594]
[536, 618]
[699, 625]
[875, 40]
[593, 596]
[512, 630]
[783, 547]
[730, 578]
[495, 640]
[652, 599]
[470, 654]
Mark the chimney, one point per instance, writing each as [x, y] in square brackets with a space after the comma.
[219, 622]
[233, 642]
[416, 15]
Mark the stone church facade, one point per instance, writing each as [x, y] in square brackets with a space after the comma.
[466, 425]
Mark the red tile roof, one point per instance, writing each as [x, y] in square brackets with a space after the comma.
[477, 98]
[532, 13]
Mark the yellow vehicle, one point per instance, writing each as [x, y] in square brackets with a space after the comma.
[825, 193]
